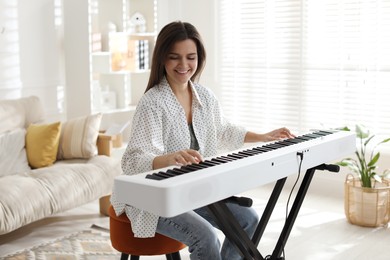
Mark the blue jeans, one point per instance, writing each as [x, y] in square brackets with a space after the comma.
[196, 230]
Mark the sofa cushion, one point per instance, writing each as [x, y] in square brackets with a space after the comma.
[46, 191]
[13, 157]
[78, 137]
[42, 144]
[20, 113]
[22, 203]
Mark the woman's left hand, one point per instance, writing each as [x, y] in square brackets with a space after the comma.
[277, 134]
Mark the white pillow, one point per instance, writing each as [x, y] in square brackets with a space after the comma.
[78, 137]
[13, 158]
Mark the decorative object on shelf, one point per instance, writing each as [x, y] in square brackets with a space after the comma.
[96, 42]
[137, 55]
[119, 49]
[111, 27]
[367, 195]
[137, 23]
[108, 99]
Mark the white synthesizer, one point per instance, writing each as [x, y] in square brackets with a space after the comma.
[170, 191]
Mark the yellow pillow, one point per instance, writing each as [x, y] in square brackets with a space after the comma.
[42, 144]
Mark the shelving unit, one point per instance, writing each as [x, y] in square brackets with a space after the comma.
[88, 58]
[111, 20]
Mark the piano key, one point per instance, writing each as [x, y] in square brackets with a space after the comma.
[178, 171]
[171, 173]
[209, 163]
[236, 156]
[275, 146]
[253, 152]
[324, 132]
[220, 160]
[162, 174]
[263, 149]
[196, 166]
[246, 153]
[191, 167]
[228, 158]
[153, 177]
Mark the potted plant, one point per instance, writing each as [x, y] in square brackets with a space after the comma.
[367, 193]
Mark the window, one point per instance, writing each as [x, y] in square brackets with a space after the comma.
[306, 64]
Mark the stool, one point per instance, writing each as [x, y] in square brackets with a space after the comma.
[123, 240]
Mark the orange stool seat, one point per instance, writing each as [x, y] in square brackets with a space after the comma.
[123, 240]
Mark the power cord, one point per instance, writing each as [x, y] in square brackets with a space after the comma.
[300, 155]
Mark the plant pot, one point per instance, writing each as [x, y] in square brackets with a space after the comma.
[368, 207]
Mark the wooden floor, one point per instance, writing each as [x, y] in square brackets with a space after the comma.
[321, 231]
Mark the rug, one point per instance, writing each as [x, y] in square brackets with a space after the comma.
[88, 245]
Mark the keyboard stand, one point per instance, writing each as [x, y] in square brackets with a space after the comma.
[248, 247]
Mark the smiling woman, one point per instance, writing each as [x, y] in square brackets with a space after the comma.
[179, 122]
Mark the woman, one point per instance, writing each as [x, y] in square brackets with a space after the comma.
[179, 122]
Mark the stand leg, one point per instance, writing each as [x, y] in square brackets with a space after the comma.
[268, 211]
[233, 231]
[293, 214]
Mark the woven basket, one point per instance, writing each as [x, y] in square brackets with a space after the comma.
[368, 207]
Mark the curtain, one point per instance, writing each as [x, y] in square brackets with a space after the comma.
[305, 64]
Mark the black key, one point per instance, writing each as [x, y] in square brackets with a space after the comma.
[162, 174]
[324, 132]
[199, 166]
[275, 146]
[314, 135]
[257, 151]
[186, 170]
[252, 152]
[283, 143]
[228, 158]
[178, 171]
[236, 156]
[190, 167]
[153, 177]
[220, 160]
[246, 153]
[171, 173]
[209, 163]
[263, 149]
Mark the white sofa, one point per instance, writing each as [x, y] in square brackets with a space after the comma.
[77, 174]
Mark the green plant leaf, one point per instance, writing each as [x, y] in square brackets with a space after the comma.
[377, 178]
[374, 160]
[361, 132]
[384, 141]
[368, 140]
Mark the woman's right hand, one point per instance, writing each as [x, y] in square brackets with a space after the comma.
[182, 157]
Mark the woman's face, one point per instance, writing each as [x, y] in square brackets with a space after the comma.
[181, 63]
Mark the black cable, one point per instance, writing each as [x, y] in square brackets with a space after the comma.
[300, 154]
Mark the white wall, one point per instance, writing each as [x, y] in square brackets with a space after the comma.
[202, 14]
[30, 56]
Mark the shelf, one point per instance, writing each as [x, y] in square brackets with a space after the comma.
[101, 63]
[119, 60]
[128, 109]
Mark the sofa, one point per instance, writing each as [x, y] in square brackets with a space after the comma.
[50, 167]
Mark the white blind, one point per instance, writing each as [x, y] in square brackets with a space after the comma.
[305, 64]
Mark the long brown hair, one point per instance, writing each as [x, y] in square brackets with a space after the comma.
[168, 36]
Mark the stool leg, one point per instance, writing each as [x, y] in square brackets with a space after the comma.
[134, 257]
[124, 256]
[173, 256]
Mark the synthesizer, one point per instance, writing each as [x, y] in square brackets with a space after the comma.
[171, 191]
